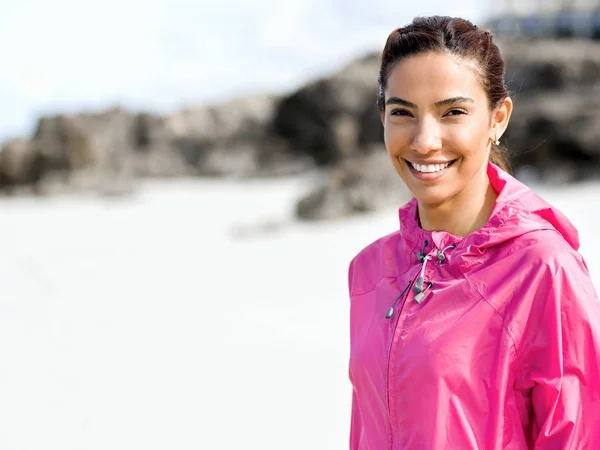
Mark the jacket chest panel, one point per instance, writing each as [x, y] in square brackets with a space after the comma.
[441, 350]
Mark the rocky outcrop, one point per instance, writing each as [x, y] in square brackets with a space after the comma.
[19, 163]
[556, 121]
[322, 119]
[332, 123]
[230, 139]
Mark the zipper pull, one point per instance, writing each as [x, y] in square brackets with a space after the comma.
[420, 295]
[418, 289]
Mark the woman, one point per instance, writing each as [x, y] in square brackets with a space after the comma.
[476, 325]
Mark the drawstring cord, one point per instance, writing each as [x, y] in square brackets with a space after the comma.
[419, 284]
[418, 288]
[441, 256]
[390, 311]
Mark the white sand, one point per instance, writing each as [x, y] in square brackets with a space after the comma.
[173, 321]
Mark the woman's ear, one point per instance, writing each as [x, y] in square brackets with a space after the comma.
[500, 118]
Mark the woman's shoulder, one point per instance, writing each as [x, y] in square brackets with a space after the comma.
[544, 253]
[549, 270]
[376, 260]
[376, 247]
[514, 273]
[556, 293]
[542, 245]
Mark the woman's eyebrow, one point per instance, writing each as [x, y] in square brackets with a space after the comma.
[454, 100]
[448, 101]
[400, 101]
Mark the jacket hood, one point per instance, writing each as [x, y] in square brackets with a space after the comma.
[518, 210]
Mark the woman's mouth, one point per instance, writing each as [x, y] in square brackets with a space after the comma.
[429, 172]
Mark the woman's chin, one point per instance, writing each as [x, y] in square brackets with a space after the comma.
[430, 196]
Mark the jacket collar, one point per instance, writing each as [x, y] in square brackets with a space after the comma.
[517, 210]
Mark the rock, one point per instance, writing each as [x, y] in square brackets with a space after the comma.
[556, 118]
[236, 119]
[370, 126]
[19, 163]
[542, 65]
[359, 184]
[555, 131]
[228, 139]
[82, 141]
[321, 119]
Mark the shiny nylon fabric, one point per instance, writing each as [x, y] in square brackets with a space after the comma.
[503, 352]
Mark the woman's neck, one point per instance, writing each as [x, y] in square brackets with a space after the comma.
[466, 212]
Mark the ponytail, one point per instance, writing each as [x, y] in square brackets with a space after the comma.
[500, 157]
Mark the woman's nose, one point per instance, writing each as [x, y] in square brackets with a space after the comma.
[427, 137]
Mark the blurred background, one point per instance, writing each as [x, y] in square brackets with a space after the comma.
[183, 185]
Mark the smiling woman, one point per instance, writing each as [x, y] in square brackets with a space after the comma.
[439, 128]
[497, 344]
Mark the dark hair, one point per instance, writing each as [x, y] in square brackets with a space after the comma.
[461, 38]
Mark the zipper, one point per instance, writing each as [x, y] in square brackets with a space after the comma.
[406, 292]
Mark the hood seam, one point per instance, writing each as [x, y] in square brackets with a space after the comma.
[368, 291]
[521, 364]
[505, 327]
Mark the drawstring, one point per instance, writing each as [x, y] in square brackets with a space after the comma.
[419, 284]
[390, 312]
[441, 256]
[422, 258]
[421, 254]
[418, 288]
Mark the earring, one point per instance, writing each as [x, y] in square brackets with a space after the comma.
[497, 142]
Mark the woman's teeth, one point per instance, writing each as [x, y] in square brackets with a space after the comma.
[429, 168]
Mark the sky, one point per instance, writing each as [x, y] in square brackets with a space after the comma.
[160, 55]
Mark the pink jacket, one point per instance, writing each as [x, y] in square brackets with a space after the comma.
[491, 341]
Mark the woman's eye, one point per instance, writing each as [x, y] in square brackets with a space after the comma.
[400, 112]
[456, 112]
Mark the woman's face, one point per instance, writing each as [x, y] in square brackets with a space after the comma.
[438, 125]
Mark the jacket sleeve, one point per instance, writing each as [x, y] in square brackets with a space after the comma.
[560, 357]
[356, 425]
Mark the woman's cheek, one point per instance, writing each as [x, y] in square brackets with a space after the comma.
[395, 138]
[463, 141]
[390, 141]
